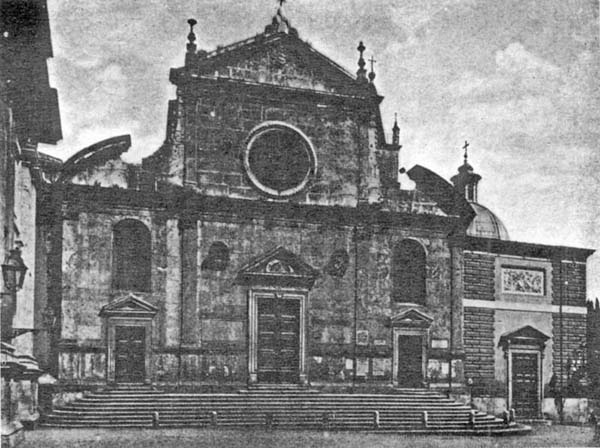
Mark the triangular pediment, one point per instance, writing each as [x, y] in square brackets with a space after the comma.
[129, 305]
[278, 267]
[411, 317]
[279, 59]
[526, 335]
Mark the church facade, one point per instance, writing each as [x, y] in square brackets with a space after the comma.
[268, 243]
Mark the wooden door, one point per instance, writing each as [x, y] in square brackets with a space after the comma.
[525, 384]
[410, 361]
[130, 354]
[278, 340]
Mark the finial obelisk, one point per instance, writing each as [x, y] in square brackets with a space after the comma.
[191, 46]
[190, 55]
[361, 72]
[396, 131]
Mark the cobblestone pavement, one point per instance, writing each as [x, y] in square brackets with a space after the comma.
[554, 436]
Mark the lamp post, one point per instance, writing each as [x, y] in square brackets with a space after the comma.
[13, 271]
[470, 385]
[13, 275]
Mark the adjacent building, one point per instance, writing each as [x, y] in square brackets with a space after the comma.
[29, 115]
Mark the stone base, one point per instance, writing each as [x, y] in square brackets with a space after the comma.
[12, 434]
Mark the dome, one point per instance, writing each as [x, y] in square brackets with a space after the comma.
[486, 224]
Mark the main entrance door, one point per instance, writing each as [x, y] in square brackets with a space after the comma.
[525, 384]
[410, 360]
[130, 348]
[278, 340]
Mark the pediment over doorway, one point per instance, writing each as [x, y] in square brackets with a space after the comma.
[411, 317]
[526, 335]
[129, 306]
[279, 267]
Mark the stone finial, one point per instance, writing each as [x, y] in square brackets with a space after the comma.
[280, 23]
[191, 45]
[396, 132]
[361, 73]
[372, 72]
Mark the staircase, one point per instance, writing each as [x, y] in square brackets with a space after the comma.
[405, 411]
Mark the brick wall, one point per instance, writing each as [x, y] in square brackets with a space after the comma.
[574, 333]
[479, 276]
[479, 344]
[593, 345]
[573, 292]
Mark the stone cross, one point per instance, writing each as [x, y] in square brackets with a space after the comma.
[372, 61]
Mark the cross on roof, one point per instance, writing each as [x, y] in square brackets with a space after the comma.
[372, 61]
[466, 147]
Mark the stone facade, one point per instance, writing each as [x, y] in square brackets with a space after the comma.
[320, 271]
[208, 219]
[236, 251]
[208, 338]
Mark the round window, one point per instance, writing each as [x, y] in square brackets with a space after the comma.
[279, 159]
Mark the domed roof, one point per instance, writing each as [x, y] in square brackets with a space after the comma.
[486, 224]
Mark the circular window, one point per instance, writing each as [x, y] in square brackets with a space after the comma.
[279, 159]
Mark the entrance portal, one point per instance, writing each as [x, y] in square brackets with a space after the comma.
[130, 349]
[410, 360]
[128, 327]
[278, 340]
[278, 285]
[525, 384]
[524, 352]
[410, 337]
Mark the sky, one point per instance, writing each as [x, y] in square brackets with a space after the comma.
[518, 79]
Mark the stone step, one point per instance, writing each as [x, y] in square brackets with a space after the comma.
[178, 412]
[97, 400]
[398, 412]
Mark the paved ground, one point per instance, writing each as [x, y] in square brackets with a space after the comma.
[554, 436]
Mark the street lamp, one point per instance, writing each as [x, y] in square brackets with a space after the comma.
[13, 270]
[470, 384]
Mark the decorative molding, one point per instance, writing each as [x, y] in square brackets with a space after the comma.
[279, 267]
[129, 306]
[128, 311]
[411, 318]
[518, 280]
[524, 336]
[410, 322]
[504, 265]
[279, 126]
[253, 296]
[338, 263]
[516, 306]
[516, 257]
[526, 340]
